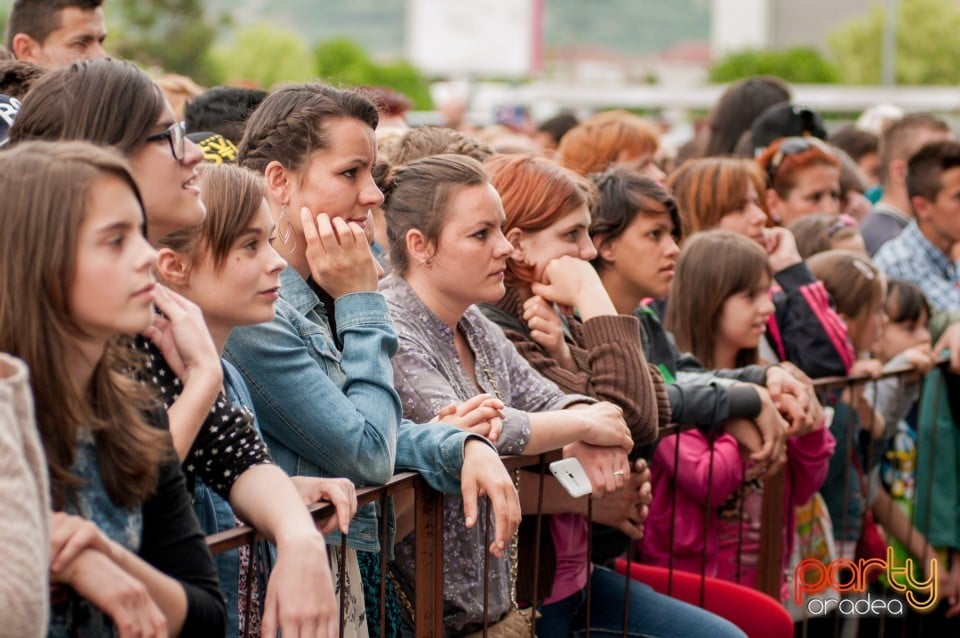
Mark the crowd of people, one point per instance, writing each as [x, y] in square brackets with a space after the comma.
[220, 313]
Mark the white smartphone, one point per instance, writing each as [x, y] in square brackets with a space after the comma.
[572, 477]
[828, 414]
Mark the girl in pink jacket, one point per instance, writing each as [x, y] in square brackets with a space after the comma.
[707, 499]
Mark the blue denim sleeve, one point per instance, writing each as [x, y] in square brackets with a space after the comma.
[348, 429]
[435, 450]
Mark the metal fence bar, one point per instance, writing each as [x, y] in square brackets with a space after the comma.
[428, 592]
[770, 559]
[342, 580]
[536, 543]
[382, 629]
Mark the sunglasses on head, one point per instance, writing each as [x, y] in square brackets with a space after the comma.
[793, 146]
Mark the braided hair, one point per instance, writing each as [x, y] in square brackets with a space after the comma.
[291, 123]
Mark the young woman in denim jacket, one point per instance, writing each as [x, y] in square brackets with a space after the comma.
[113, 103]
[123, 537]
[320, 372]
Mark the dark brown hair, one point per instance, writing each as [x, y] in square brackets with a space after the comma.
[417, 196]
[17, 77]
[39, 18]
[927, 166]
[741, 103]
[107, 102]
[291, 123]
[905, 302]
[712, 267]
[855, 142]
[46, 188]
[223, 110]
[622, 194]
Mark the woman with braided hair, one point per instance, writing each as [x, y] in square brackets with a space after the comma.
[320, 373]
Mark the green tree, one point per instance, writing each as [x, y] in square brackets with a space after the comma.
[799, 64]
[343, 62]
[928, 50]
[264, 55]
[174, 35]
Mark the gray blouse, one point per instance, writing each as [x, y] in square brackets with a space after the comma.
[429, 375]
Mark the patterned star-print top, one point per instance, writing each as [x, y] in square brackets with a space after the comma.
[227, 443]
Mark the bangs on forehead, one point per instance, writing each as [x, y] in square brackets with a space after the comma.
[655, 209]
[905, 302]
[752, 274]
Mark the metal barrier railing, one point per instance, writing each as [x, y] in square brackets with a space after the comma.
[428, 517]
[428, 522]
[428, 603]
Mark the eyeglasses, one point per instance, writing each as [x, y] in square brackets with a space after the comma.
[793, 146]
[176, 136]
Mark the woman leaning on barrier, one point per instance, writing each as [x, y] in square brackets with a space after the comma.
[319, 373]
[444, 223]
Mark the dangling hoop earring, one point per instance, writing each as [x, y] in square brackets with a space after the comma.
[284, 230]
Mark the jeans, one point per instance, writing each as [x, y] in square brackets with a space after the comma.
[652, 615]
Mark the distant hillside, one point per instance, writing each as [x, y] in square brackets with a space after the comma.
[631, 27]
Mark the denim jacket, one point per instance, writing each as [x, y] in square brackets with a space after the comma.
[331, 412]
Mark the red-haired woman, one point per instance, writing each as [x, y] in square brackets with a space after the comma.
[724, 193]
[803, 178]
[611, 138]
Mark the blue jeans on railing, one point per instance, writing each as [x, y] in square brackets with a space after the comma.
[652, 615]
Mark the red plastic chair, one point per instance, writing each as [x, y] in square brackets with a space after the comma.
[758, 615]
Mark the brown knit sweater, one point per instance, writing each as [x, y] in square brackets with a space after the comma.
[610, 364]
[611, 367]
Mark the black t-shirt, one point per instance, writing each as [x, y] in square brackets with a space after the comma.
[227, 443]
[173, 543]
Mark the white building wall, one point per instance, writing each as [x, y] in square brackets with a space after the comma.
[808, 22]
[739, 24]
[456, 37]
[778, 24]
